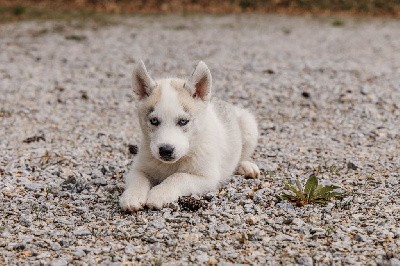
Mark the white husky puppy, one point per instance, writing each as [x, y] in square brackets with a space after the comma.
[190, 142]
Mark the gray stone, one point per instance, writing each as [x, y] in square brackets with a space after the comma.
[283, 237]
[202, 258]
[78, 253]
[100, 181]
[81, 209]
[298, 222]
[43, 255]
[157, 224]
[222, 229]
[308, 261]
[59, 262]
[26, 220]
[360, 237]
[81, 231]
[33, 186]
[394, 262]
[129, 250]
[55, 246]
[393, 181]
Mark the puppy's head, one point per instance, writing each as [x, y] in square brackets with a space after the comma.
[169, 110]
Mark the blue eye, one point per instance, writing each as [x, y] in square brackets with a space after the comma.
[154, 121]
[183, 122]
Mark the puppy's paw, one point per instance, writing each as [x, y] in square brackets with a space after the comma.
[248, 169]
[159, 196]
[132, 200]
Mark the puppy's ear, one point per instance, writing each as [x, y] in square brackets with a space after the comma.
[142, 83]
[200, 82]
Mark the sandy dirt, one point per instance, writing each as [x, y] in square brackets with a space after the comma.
[327, 99]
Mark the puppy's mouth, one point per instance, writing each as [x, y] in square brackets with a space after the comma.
[167, 159]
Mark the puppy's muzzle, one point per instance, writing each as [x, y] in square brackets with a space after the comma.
[166, 152]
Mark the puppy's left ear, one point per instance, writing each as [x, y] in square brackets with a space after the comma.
[200, 82]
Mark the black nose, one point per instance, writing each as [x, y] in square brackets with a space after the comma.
[166, 151]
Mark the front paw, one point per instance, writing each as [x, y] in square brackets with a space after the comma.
[159, 196]
[132, 200]
[248, 169]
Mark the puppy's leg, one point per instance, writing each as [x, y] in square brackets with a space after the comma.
[135, 194]
[176, 185]
[248, 127]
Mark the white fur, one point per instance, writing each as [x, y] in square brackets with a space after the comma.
[218, 139]
[167, 111]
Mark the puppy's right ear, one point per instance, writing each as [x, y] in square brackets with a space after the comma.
[142, 83]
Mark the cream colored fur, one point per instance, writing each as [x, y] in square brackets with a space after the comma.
[217, 139]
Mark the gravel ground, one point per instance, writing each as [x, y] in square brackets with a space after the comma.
[326, 98]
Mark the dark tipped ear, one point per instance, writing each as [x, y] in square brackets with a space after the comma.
[200, 82]
[142, 83]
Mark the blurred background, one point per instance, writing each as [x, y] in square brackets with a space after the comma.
[26, 9]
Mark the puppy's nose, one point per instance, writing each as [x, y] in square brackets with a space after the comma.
[166, 151]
